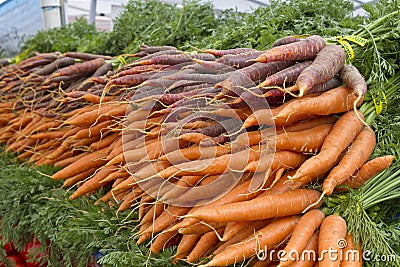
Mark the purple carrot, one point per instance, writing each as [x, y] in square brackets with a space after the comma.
[234, 51]
[285, 40]
[174, 59]
[354, 80]
[301, 50]
[329, 61]
[245, 77]
[286, 75]
[57, 64]
[85, 56]
[240, 60]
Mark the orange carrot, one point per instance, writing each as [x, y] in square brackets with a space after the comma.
[352, 254]
[152, 213]
[306, 124]
[268, 237]
[367, 171]
[50, 135]
[93, 160]
[128, 201]
[302, 233]
[232, 228]
[194, 153]
[161, 241]
[335, 143]
[309, 256]
[274, 161]
[186, 244]
[93, 183]
[70, 160]
[93, 130]
[166, 219]
[201, 228]
[358, 153]
[278, 205]
[206, 242]
[334, 101]
[105, 141]
[307, 141]
[332, 232]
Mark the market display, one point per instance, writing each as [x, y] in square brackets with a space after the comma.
[227, 156]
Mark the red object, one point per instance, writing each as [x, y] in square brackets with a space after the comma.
[9, 247]
[32, 247]
[14, 259]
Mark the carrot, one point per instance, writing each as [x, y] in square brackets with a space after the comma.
[301, 50]
[206, 242]
[50, 135]
[239, 61]
[85, 67]
[274, 161]
[85, 56]
[334, 101]
[302, 233]
[93, 183]
[358, 153]
[57, 64]
[161, 241]
[201, 228]
[244, 234]
[307, 141]
[166, 219]
[283, 204]
[183, 184]
[285, 40]
[332, 232]
[70, 160]
[98, 129]
[308, 256]
[186, 244]
[141, 69]
[233, 85]
[213, 166]
[59, 150]
[238, 193]
[93, 160]
[268, 237]
[232, 228]
[153, 213]
[286, 75]
[174, 59]
[352, 254]
[234, 51]
[328, 62]
[367, 171]
[354, 80]
[307, 124]
[128, 201]
[105, 141]
[194, 153]
[335, 143]
[103, 113]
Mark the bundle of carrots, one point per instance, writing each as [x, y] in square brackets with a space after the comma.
[214, 149]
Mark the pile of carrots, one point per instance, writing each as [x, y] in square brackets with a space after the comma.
[215, 150]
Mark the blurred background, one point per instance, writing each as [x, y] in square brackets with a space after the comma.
[22, 18]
